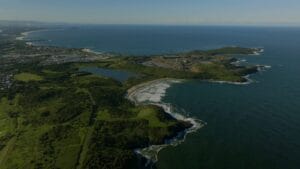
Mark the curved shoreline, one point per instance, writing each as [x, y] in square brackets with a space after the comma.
[151, 93]
[24, 35]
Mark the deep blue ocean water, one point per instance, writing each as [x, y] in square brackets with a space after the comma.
[255, 126]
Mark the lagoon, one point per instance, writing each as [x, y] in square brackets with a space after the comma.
[110, 73]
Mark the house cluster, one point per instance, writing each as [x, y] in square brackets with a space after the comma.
[5, 81]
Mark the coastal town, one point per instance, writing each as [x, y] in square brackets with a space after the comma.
[16, 51]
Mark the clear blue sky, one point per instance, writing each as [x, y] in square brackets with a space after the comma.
[154, 11]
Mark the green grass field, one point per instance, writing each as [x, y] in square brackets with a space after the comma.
[48, 114]
[26, 77]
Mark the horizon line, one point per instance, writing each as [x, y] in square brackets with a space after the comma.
[158, 24]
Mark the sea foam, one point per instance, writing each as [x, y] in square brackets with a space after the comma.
[24, 35]
[152, 93]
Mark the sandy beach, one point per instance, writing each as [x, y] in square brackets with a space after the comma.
[151, 93]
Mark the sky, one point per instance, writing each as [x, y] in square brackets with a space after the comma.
[169, 12]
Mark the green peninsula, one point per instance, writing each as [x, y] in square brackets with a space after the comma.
[55, 116]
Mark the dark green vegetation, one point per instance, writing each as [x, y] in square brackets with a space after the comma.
[26, 77]
[211, 65]
[52, 116]
[67, 119]
[226, 51]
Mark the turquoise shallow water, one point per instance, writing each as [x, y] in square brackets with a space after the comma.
[248, 126]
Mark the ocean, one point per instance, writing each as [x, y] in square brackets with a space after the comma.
[248, 126]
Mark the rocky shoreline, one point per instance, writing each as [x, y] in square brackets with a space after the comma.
[150, 93]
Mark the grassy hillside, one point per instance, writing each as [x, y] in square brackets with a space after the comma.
[67, 119]
[52, 116]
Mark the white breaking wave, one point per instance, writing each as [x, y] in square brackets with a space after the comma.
[247, 82]
[239, 62]
[87, 50]
[152, 93]
[24, 35]
[263, 67]
[258, 51]
[29, 43]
